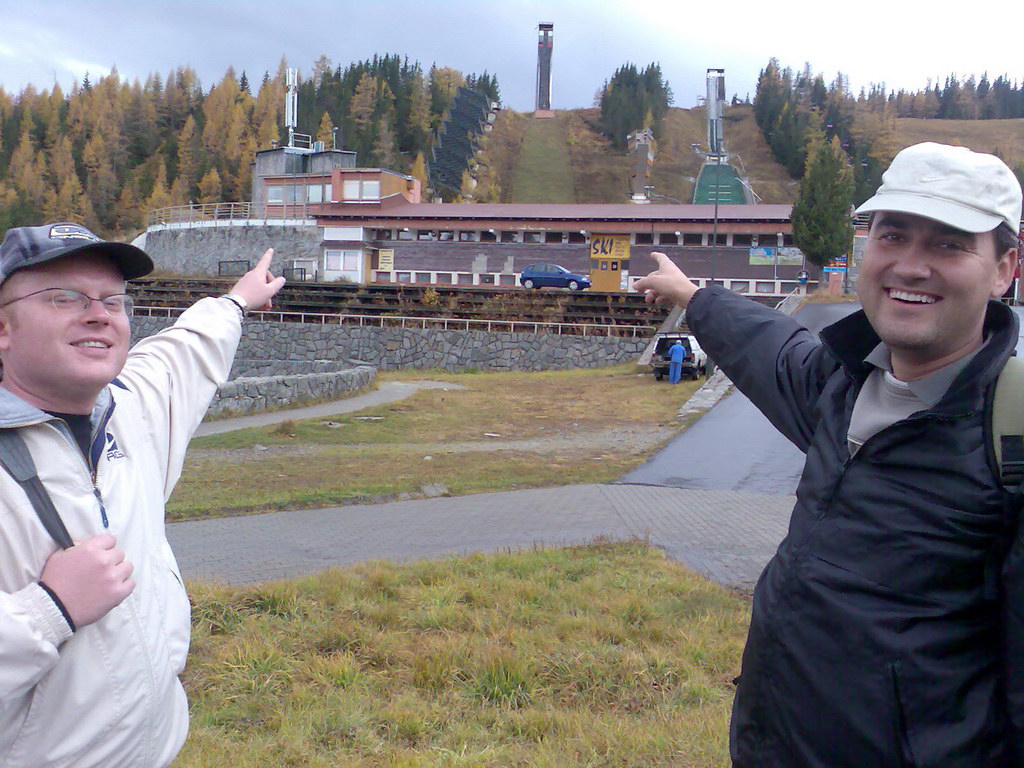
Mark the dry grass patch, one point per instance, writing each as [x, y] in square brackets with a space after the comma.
[503, 431]
[824, 296]
[542, 173]
[605, 655]
[1002, 137]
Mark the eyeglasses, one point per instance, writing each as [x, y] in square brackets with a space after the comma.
[67, 300]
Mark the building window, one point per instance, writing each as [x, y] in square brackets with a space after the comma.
[468, 237]
[742, 240]
[509, 237]
[446, 235]
[787, 241]
[383, 234]
[739, 286]
[290, 194]
[422, 277]
[466, 278]
[692, 238]
[444, 277]
[644, 238]
[765, 287]
[552, 237]
[531, 237]
[577, 237]
[403, 277]
[405, 234]
[316, 193]
[350, 189]
[341, 261]
[668, 238]
[488, 236]
[486, 279]
[371, 189]
[426, 234]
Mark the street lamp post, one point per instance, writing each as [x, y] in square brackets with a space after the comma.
[714, 224]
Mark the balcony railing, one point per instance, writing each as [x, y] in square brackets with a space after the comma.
[213, 213]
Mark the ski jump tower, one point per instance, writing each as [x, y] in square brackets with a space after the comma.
[718, 182]
[716, 96]
[545, 39]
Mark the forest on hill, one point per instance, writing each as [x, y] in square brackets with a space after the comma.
[795, 110]
[109, 151]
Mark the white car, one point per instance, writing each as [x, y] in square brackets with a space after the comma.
[700, 357]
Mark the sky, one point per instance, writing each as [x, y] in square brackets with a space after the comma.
[893, 42]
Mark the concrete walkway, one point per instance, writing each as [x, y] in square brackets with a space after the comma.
[387, 392]
[725, 535]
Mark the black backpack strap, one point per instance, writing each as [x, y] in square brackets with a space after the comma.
[1006, 415]
[16, 459]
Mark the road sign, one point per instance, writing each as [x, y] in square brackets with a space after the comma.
[833, 269]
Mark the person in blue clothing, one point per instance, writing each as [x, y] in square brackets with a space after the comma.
[676, 354]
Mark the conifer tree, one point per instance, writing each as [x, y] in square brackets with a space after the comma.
[325, 132]
[822, 227]
[419, 170]
[210, 187]
[384, 153]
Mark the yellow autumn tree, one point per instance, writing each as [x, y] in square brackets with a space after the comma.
[325, 132]
[210, 187]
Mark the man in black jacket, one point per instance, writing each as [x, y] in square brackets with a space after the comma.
[882, 633]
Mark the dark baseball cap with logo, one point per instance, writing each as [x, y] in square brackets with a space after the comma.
[28, 246]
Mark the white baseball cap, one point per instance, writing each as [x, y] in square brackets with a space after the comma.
[967, 190]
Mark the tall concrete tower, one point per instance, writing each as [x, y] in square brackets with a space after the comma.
[715, 100]
[545, 38]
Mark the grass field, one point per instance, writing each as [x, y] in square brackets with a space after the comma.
[542, 174]
[601, 656]
[503, 431]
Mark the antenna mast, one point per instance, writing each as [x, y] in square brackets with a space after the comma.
[291, 104]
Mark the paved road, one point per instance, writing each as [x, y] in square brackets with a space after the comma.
[726, 536]
[733, 447]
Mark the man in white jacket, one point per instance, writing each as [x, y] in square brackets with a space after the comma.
[93, 636]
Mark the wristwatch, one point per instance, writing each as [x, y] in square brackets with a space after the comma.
[238, 301]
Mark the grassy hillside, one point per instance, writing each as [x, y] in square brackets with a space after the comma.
[1001, 137]
[567, 159]
[543, 174]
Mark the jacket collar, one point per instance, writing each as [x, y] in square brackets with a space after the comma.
[851, 339]
[15, 412]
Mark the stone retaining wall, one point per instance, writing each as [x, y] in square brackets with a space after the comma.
[252, 394]
[198, 250]
[279, 345]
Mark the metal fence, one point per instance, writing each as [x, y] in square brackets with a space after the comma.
[211, 213]
[423, 323]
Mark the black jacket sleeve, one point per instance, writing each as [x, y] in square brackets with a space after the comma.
[1013, 632]
[773, 360]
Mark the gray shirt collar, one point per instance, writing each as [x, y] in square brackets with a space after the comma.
[932, 387]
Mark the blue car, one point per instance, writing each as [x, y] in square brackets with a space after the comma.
[551, 275]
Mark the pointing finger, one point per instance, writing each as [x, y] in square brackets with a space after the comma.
[265, 259]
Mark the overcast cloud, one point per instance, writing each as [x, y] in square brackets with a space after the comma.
[871, 41]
